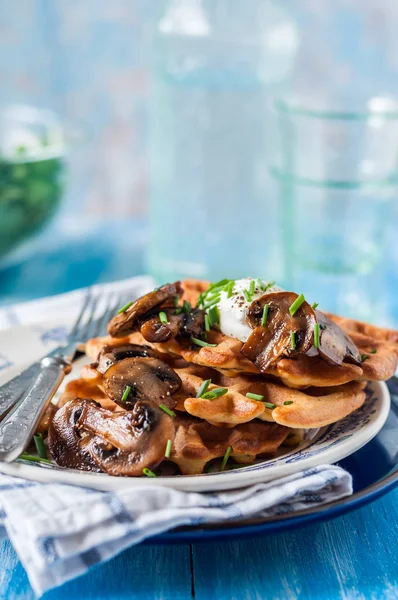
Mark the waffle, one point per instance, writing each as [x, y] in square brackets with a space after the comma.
[299, 372]
[197, 442]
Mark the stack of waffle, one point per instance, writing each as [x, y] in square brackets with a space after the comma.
[220, 403]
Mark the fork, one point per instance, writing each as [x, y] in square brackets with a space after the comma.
[26, 409]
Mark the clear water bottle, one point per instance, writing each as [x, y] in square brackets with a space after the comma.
[215, 67]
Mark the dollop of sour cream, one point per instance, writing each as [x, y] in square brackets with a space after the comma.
[233, 310]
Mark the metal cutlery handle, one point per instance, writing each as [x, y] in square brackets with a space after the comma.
[17, 427]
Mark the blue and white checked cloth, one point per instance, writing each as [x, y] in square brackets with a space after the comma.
[60, 531]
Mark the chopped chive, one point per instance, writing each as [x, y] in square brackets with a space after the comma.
[186, 306]
[260, 285]
[254, 396]
[32, 458]
[40, 447]
[124, 308]
[207, 323]
[163, 317]
[126, 392]
[296, 304]
[270, 284]
[214, 315]
[176, 301]
[314, 305]
[230, 289]
[252, 287]
[316, 335]
[247, 296]
[216, 393]
[287, 402]
[202, 343]
[218, 284]
[167, 410]
[293, 340]
[214, 300]
[265, 315]
[178, 310]
[203, 388]
[200, 299]
[270, 405]
[148, 472]
[364, 357]
[373, 351]
[168, 449]
[226, 457]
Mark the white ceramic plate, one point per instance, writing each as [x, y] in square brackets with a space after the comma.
[24, 344]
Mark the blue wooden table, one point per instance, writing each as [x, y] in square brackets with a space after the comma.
[351, 557]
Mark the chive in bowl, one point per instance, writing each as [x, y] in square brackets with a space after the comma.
[32, 173]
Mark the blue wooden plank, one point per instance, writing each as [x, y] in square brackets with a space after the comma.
[142, 572]
[351, 557]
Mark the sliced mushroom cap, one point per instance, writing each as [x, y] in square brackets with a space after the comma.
[269, 342]
[335, 345]
[110, 355]
[149, 379]
[68, 446]
[126, 443]
[184, 324]
[126, 322]
[88, 437]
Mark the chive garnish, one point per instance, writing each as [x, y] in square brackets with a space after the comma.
[364, 357]
[270, 405]
[314, 305]
[168, 449]
[230, 288]
[212, 301]
[293, 340]
[247, 296]
[213, 394]
[296, 304]
[270, 284]
[226, 457]
[261, 285]
[124, 308]
[207, 323]
[32, 458]
[202, 343]
[316, 335]
[148, 472]
[167, 410]
[287, 402]
[265, 315]
[186, 306]
[252, 287]
[126, 392]
[40, 447]
[163, 317]
[203, 388]
[373, 351]
[254, 396]
[214, 315]
[176, 301]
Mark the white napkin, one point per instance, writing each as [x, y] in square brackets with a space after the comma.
[60, 531]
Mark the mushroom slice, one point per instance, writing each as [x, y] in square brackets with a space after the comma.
[126, 322]
[148, 378]
[126, 443]
[269, 342]
[110, 355]
[335, 345]
[184, 324]
[68, 446]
